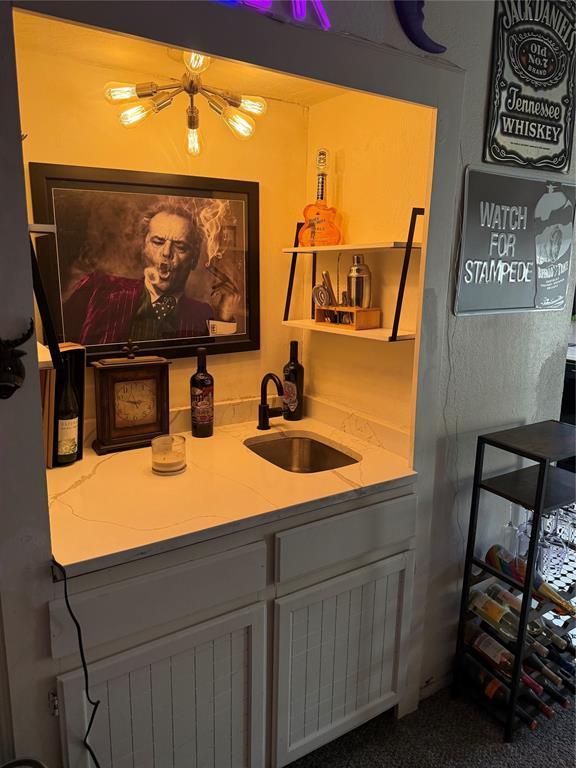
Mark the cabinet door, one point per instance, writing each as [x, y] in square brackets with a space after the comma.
[340, 654]
[194, 699]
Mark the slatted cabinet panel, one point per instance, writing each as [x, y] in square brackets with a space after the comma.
[192, 700]
[338, 649]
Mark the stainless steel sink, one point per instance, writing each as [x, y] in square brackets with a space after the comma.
[300, 452]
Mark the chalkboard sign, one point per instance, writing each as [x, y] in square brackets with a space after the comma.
[516, 243]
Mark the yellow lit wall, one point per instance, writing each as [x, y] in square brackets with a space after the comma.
[381, 159]
[381, 153]
[69, 122]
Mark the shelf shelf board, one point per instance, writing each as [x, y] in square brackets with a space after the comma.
[552, 440]
[376, 334]
[519, 487]
[44, 358]
[390, 245]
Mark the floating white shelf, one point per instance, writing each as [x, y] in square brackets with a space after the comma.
[351, 247]
[376, 334]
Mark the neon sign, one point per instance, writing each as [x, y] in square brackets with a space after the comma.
[410, 14]
[299, 9]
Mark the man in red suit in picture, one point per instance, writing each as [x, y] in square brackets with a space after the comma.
[107, 309]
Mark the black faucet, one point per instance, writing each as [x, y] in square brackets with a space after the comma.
[264, 410]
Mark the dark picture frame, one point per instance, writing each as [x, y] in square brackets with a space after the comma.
[68, 196]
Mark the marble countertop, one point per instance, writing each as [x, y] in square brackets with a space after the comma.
[106, 510]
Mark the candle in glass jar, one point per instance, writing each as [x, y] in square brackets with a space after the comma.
[168, 454]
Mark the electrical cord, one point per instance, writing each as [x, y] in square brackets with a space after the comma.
[95, 704]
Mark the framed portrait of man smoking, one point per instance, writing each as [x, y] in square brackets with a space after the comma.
[169, 262]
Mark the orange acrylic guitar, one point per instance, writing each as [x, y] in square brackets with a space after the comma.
[321, 224]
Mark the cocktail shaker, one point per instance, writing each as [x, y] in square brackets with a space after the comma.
[359, 283]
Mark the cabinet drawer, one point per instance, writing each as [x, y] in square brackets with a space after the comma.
[118, 610]
[344, 537]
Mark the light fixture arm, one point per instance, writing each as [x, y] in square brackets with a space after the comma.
[144, 90]
[216, 102]
[193, 115]
[164, 100]
[228, 96]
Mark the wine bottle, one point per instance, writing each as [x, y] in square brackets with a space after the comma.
[567, 680]
[535, 627]
[533, 663]
[529, 642]
[497, 615]
[202, 398]
[564, 701]
[560, 661]
[501, 560]
[536, 701]
[494, 689]
[293, 386]
[68, 418]
[496, 655]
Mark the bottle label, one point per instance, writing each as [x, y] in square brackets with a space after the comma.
[488, 608]
[490, 648]
[492, 688]
[202, 400]
[290, 395]
[67, 436]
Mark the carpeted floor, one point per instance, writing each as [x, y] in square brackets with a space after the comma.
[448, 733]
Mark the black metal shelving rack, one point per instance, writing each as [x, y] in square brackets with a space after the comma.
[540, 488]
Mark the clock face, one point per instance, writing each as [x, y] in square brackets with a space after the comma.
[135, 403]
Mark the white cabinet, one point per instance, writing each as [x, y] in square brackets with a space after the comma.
[195, 699]
[340, 658]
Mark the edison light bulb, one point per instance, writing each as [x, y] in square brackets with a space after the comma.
[194, 144]
[135, 115]
[253, 104]
[115, 92]
[241, 125]
[196, 62]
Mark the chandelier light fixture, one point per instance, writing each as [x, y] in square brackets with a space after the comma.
[237, 111]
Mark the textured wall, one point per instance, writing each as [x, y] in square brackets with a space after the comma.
[497, 370]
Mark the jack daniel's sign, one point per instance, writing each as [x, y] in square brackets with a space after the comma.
[531, 120]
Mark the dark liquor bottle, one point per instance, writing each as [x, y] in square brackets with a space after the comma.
[293, 386]
[202, 398]
[68, 416]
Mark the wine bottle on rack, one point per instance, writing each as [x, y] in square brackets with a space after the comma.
[535, 627]
[567, 681]
[493, 689]
[515, 567]
[560, 661]
[68, 418]
[509, 644]
[537, 702]
[202, 398]
[533, 663]
[293, 386]
[496, 655]
[564, 701]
